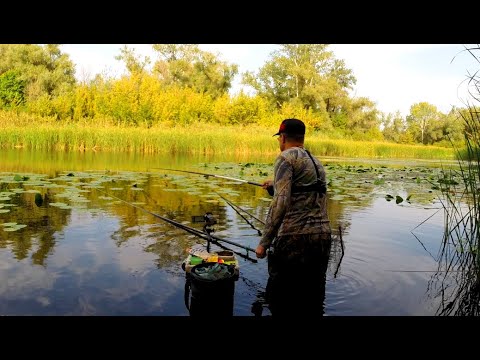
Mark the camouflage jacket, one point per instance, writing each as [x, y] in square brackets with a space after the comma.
[291, 212]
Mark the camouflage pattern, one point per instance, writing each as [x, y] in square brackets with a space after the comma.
[296, 213]
[300, 251]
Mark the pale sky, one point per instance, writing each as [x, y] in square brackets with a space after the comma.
[394, 76]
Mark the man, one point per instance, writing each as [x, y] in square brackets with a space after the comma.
[297, 231]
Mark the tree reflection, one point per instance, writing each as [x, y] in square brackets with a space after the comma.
[38, 238]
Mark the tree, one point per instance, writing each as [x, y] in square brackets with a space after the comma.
[12, 89]
[132, 61]
[361, 117]
[304, 73]
[45, 70]
[454, 126]
[394, 126]
[136, 68]
[186, 65]
[422, 115]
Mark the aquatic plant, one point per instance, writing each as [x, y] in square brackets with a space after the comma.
[457, 281]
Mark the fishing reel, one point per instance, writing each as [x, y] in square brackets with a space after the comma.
[209, 219]
[208, 227]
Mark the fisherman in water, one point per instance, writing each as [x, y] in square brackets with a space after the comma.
[297, 231]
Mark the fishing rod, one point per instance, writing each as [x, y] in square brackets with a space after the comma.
[182, 226]
[213, 175]
[334, 232]
[236, 207]
[245, 211]
[269, 189]
[210, 239]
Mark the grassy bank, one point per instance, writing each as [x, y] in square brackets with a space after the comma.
[196, 139]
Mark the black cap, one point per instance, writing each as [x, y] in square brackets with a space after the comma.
[291, 126]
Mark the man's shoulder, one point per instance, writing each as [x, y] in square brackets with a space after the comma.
[293, 152]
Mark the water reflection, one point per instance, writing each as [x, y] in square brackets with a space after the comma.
[457, 279]
[82, 252]
[299, 289]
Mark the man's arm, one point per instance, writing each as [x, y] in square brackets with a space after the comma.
[280, 202]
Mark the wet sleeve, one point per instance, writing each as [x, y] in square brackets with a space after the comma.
[280, 201]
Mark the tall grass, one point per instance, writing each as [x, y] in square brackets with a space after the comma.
[375, 149]
[459, 261]
[193, 139]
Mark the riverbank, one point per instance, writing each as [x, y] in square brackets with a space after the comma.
[198, 139]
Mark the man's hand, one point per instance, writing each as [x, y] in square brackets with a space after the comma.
[268, 185]
[261, 252]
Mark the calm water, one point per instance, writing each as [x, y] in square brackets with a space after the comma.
[90, 248]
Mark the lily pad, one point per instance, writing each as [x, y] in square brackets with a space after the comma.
[14, 227]
[105, 197]
[57, 204]
[6, 193]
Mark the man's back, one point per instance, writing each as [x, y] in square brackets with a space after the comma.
[301, 193]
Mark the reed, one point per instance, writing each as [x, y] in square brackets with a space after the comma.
[458, 260]
[195, 139]
[380, 150]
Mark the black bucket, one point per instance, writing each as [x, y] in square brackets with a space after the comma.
[213, 289]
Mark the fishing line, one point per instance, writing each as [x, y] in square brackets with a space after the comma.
[236, 207]
[269, 189]
[182, 226]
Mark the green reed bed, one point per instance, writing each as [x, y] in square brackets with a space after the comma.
[190, 140]
[364, 149]
[196, 139]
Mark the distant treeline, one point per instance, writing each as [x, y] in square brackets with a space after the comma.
[186, 86]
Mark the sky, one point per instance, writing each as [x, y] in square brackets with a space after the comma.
[394, 76]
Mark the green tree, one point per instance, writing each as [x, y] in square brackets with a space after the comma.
[134, 64]
[187, 65]
[12, 89]
[394, 126]
[362, 119]
[44, 69]
[454, 126]
[420, 120]
[303, 73]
